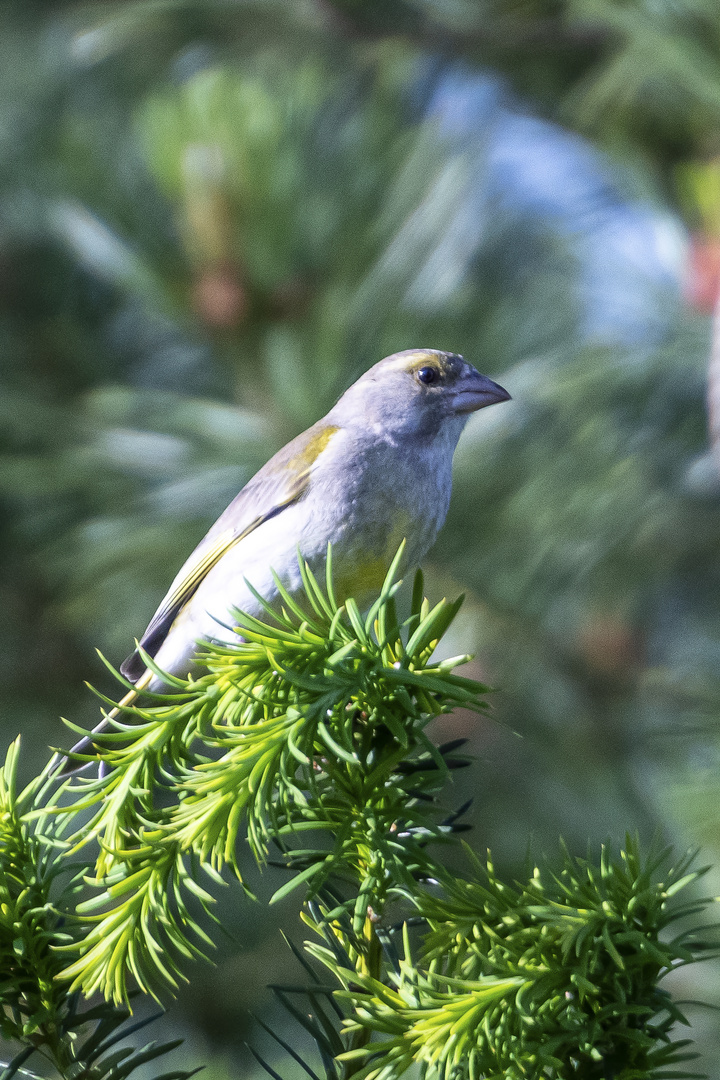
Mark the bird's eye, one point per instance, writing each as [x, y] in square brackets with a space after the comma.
[428, 375]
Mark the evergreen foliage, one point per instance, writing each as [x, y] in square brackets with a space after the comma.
[311, 731]
[38, 891]
[557, 977]
[315, 725]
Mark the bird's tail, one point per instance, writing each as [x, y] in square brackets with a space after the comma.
[68, 764]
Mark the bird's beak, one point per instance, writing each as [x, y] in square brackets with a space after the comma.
[474, 391]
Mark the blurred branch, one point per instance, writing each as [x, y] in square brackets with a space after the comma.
[496, 34]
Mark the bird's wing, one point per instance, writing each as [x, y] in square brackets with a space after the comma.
[282, 481]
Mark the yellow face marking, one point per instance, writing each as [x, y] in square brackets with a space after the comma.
[436, 362]
[412, 361]
[409, 361]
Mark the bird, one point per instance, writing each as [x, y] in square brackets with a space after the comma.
[376, 470]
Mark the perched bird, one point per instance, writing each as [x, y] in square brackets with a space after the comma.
[376, 470]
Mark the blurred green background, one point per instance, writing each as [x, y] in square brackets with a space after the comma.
[215, 214]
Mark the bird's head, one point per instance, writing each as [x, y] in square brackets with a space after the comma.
[418, 392]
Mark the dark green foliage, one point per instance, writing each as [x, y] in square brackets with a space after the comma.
[37, 891]
[29, 925]
[559, 977]
[591, 944]
[312, 730]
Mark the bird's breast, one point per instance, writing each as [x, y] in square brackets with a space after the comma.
[368, 501]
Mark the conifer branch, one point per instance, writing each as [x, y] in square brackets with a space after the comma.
[308, 737]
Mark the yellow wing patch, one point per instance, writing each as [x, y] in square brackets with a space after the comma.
[297, 468]
[305, 458]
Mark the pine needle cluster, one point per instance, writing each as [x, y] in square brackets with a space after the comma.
[312, 724]
[559, 976]
[307, 740]
[38, 891]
